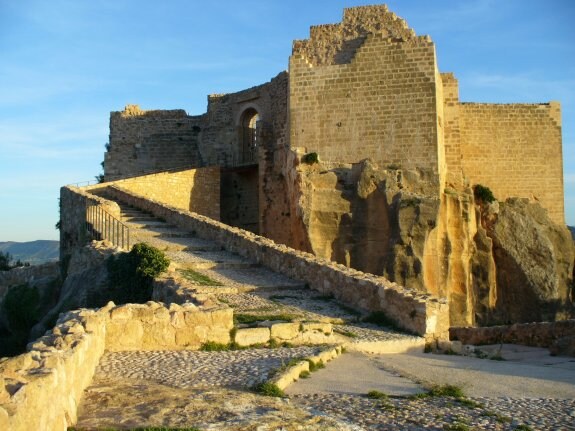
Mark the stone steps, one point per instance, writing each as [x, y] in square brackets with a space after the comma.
[251, 289]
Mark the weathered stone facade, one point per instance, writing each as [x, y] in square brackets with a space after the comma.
[398, 155]
[367, 87]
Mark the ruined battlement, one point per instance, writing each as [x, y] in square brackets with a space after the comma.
[330, 44]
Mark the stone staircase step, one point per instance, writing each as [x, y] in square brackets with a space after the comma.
[201, 260]
[252, 278]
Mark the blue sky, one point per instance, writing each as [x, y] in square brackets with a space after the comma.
[65, 64]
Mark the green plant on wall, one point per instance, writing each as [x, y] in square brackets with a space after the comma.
[310, 158]
[130, 275]
[483, 194]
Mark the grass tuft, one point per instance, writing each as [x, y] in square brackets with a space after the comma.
[250, 318]
[198, 278]
[268, 389]
[377, 395]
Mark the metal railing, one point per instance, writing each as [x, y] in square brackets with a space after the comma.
[101, 225]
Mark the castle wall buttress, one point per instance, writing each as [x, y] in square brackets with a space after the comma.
[515, 150]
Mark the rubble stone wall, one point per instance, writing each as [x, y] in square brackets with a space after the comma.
[27, 274]
[537, 334]
[41, 389]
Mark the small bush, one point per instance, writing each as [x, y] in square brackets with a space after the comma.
[446, 391]
[268, 389]
[310, 158]
[304, 374]
[377, 395]
[313, 366]
[483, 194]
[130, 275]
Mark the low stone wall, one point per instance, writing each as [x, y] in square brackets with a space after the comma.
[41, 389]
[537, 334]
[27, 274]
[152, 326]
[419, 313]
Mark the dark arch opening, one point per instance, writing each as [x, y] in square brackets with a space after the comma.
[249, 144]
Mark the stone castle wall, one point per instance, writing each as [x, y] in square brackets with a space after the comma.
[151, 141]
[381, 105]
[515, 150]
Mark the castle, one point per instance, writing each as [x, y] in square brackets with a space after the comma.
[363, 154]
[367, 87]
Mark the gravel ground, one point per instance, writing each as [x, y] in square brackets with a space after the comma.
[185, 369]
[442, 413]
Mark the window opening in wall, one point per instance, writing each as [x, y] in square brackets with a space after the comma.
[249, 147]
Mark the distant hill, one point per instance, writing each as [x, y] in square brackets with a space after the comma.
[572, 229]
[33, 252]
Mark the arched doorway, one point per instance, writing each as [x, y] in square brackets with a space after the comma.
[249, 138]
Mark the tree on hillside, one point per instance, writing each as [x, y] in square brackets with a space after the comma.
[6, 258]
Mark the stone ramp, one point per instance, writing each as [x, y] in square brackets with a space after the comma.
[253, 290]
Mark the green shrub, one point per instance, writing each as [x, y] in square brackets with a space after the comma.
[446, 391]
[130, 275]
[314, 366]
[377, 395]
[483, 194]
[268, 389]
[310, 158]
[21, 307]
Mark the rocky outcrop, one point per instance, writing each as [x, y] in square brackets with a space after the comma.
[534, 263]
[86, 275]
[494, 263]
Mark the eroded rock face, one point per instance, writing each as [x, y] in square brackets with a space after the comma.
[494, 264]
[534, 259]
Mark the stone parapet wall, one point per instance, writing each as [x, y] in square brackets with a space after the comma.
[537, 334]
[73, 203]
[41, 389]
[152, 326]
[196, 190]
[419, 313]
